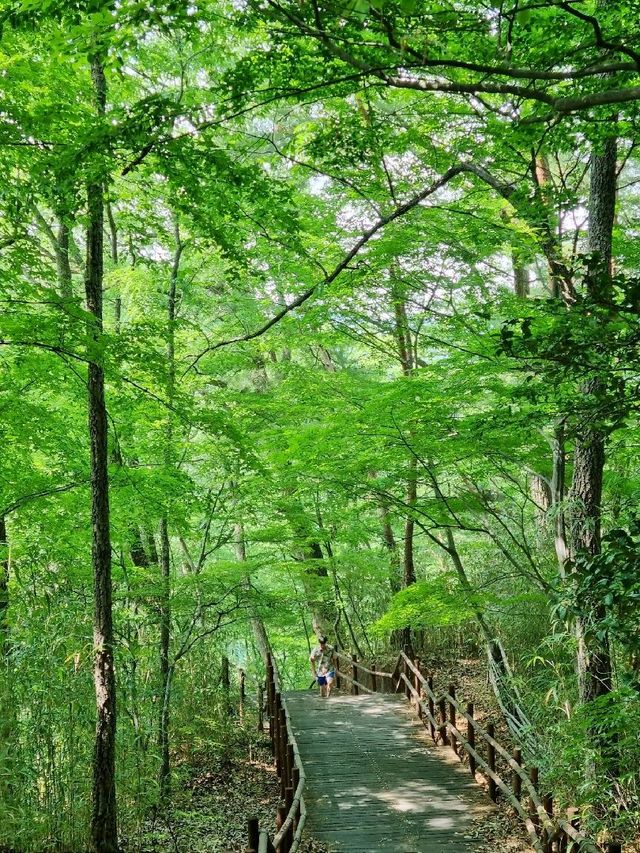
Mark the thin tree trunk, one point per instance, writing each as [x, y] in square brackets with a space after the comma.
[104, 817]
[558, 485]
[4, 589]
[405, 355]
[391, 545]
[65, 279]
[113, 234]
[411, 498]
[164, 773]
[225, 683]
[257, 625]
[7, 702]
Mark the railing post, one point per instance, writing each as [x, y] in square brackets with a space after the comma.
[535, 818]
[290, 763]
[275, 721]
[471, 737]
[283, 752]
[407, 683]
[547, 837]
[432, 708]
[354, 675]
[260, 709]
[491, 750]
[452, 717]
[443, 721]
[253, 833]
[516, 781]
[574, 820]
[271, 703]
[296, 782]
[374, 678]
[288, 837]
[418, 687]
[280, 819]
[242, 679]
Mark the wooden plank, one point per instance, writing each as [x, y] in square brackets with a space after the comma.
[375, 781]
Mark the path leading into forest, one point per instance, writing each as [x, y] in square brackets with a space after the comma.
[374, 781]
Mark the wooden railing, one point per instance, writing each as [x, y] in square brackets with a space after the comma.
[445, 716]
[292, 815]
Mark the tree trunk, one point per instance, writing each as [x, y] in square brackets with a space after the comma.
[412, 496]
[164, 773]
[4, 589]
[594, 662]
[7, 703]
[558, 485]
[406, 357]
[521, 280]
[113, 235]
[104, 821]
[257, 625]
[395, 578]
[225, 683]
[65, 280]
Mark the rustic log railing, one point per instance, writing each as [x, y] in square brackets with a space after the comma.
[292, 815]
[443, 715]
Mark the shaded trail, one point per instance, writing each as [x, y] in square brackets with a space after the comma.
[375, 782]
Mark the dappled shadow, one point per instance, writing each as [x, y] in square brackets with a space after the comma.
[374, 783]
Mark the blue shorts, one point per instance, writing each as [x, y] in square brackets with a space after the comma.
[322, 679]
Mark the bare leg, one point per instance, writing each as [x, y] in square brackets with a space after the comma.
[329, 686]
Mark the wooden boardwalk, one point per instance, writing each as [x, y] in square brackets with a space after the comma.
[376, 783]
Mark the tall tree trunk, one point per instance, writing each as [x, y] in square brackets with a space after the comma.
[113, 235]
[4, 589]
[104, 818]
[558, 485]
[411, 498]
[395, 578]
[225, 684]
[407, 362]
[594, 662]
[7, 705]
[257, 625]
[164, 773]
[65, 280]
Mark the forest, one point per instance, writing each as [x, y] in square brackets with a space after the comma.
[316, 316]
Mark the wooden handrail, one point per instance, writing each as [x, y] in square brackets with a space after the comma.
[290, 770]
[353, 681]
[377, 672]
[542, 828]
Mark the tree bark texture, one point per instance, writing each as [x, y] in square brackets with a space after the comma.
[65, 280]
[104, 821]
[4, 588]
[521, 280]
[164, 773]
[594, 661]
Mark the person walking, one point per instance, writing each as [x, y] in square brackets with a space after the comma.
[323, 667]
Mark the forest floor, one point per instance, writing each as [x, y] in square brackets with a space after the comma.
[209, 810]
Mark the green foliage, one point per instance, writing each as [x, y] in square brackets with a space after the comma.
[413, 401]
[428, 604]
